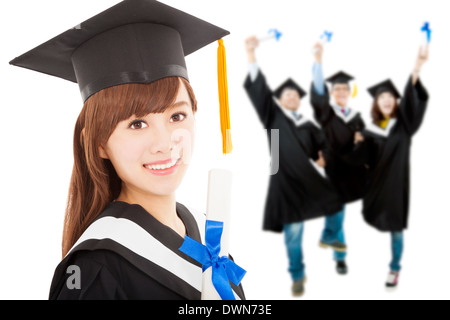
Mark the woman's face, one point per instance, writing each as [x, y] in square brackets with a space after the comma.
[386, 102]
[151, 154]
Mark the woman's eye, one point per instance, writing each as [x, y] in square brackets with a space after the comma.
[138, 124]
[178, 117]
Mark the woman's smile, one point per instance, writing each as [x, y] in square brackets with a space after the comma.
[162, 168]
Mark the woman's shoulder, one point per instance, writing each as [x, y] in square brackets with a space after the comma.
[95, 257]
[89, 274]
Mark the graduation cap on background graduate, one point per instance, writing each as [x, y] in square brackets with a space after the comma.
[135, 41]
[340, 77]
[289, 84]
[385, 86]
[343, 78]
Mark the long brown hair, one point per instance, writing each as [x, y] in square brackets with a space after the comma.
[377, 115]
[94, 181]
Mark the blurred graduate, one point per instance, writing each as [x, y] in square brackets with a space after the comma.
[299, 190]
[384, 147]
[339, 122]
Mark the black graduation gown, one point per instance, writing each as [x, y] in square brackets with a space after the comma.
[386, 152]
[297, 192]
[145, 264]
[349, 179]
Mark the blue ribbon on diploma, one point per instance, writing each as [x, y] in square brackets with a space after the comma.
[224, 270]
[327, 35]
[277, 34]
[426, 28]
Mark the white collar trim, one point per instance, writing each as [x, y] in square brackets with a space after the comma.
[288, 113]
[380, 131]
[346, 118]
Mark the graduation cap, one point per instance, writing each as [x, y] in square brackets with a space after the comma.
[135, 41]
[339, 78]
[289, 84]
[385, 86]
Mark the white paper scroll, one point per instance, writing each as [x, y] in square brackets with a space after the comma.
[217, 209]
[272, 34]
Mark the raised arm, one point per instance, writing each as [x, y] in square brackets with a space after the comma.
[421, 59]
[318, 81]
[251, 44]
[256, 86]
[414, 102]
[320, 99]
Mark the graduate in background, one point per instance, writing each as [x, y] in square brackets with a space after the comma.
[298, 191]
[340, 123]
[123, 227]
[384, 147]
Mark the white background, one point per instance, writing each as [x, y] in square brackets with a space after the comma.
[373, 40]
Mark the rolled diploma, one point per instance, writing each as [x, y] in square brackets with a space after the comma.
[217, 209]
[265, 38]
[424, 41]
[273, 34]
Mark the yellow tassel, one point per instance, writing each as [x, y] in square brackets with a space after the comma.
[223, 99]
[355, 91]
[384, 123]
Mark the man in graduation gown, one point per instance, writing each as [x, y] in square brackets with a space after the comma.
[298, 191]
[339, 122]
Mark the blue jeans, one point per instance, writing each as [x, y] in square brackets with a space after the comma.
[397, 250]
[334, 231]
[293, 235]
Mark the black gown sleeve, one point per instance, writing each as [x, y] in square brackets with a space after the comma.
[360, 155]
[105, 275]
[261, 97]
[320, 143]
[413, 106]
[98, 281]
[321, 105]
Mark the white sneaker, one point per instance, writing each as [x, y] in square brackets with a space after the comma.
[392, 280]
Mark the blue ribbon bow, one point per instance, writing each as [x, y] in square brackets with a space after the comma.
[328, 35]
[224, 270]
[276, 33]
[426, 28]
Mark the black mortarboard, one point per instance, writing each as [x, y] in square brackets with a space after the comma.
[340, 77]
[135, 41]
[385, 86]
[289, 84]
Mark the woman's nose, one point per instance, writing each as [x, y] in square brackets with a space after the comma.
[161, 140]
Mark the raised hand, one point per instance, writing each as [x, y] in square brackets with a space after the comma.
[421, 59]
[318, 52]
[251, 44]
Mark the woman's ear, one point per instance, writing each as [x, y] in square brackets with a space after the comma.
[102, 152]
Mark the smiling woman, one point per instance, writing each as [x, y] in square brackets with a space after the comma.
[104, 150]
[132, 143]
